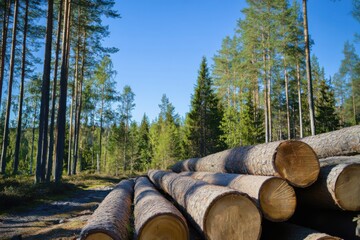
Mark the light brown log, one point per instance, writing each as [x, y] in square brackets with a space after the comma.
[333, 222]
[216, 212]
[288, 231]
[294, 161]
[155, 216]
[338, 185]
[111, 220]
[345, 141]
[275, 198]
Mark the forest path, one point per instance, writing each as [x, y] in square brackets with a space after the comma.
[62, 219]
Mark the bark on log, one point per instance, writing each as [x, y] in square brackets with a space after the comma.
[273, 195]
[156, 217]
[333, 222]
[294, 161]
[111, 220]
[288, 231]
[345, 141]
[338, 185]
[216, 212]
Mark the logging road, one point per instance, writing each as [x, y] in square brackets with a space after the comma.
[61, 219]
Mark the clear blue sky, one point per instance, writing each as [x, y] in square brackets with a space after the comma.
[162, 42]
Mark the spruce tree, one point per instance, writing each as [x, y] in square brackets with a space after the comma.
[204, 117]
[326, 116]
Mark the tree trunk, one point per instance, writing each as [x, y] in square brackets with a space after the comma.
[11, 76]
[21, 99]
[33, 140]
[6, 15]
[287, 101]
[337, 187]
[308, 70]
[44, 106]
[286, 231]
[71, 117]
[61, 118]
[294, 161]
[299, 98]
[273, 195]
[53, 96]
[155, 216]
[111, 220]
[342, 142]
[218, 212]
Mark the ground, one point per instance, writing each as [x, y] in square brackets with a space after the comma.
[61, 219]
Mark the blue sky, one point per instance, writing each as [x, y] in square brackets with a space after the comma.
[162, 42]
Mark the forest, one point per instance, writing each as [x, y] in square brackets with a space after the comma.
[61, 113]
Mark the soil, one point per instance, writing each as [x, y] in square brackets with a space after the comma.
[62, 219]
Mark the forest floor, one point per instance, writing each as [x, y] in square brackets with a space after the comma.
[60, 217]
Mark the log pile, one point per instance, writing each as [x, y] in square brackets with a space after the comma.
[298, 189]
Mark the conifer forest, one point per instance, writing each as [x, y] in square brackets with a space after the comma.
[61, 113]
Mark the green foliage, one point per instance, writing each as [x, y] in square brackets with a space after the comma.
[325, 111]
[204, 133]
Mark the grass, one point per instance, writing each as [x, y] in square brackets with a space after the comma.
[20, 191]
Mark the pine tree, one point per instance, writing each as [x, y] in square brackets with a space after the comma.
[204, 117]
[144, 147]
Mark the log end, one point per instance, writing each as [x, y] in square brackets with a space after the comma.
[347, 188]
[297, 162]
[232, 216]
[164, 227]
[277, 200]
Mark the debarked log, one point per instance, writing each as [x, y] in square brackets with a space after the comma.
[155, 216]
[338, 186]
[294, 161]
[345, 141]
[111, 220]
[274, 196]
[216, 212]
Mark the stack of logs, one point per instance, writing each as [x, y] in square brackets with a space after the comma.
[307, 189]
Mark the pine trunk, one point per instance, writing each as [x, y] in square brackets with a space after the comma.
[6, 15]
[337, 187]
[299, 98]
[53, 97]
[21, 98]
[275, 198]
[287, 231]
[70, 140]
[44, 106]
[61, 118]
[217, 212]
[11, 78]
[111, 220]
[294, 161]
[345, 141]
[156, 216]
[308, 70]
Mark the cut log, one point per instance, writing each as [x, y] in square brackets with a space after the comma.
[333, 222]
[275, 198]
[338, 185]
[338, 160]
[216, 212]
[156, 217]
[294, 161]
[185, 166]
[345, 141]
[288, 231]
[111, 220]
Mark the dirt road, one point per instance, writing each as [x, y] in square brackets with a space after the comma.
[53, 220]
